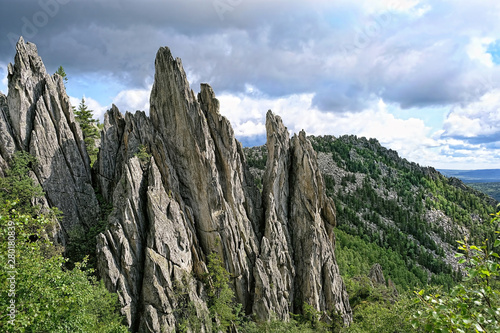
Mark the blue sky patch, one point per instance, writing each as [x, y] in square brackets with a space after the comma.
[494, 50]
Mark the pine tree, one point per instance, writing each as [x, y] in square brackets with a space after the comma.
[84, 116]
[62, 73]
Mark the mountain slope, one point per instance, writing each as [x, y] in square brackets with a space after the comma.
[383, 199]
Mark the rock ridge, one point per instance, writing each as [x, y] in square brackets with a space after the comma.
[36, 117]
[181, 189]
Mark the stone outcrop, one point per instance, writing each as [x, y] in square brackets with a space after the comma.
[376, 275]
[312, 219]
[180, 190]
[275, 269]
[36, 117]
[193, 196]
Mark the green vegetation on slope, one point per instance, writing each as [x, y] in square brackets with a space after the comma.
[474, 304]
[42, 294]
[398, 214]
[399, 205]
[491, 189]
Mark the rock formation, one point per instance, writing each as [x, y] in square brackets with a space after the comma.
[376, 275]
[36, 116]
[181, 190]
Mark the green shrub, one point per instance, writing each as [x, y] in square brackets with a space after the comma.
[474, 304]
[18, 186]
[223, 309]
[48, 298]
[142, 154]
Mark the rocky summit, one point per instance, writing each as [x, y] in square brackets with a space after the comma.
[180, 189]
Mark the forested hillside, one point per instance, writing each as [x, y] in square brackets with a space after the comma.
[404, 216]
[492, 189]
[395, 213]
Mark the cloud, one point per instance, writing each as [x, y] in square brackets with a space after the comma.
[475, 122]
[477, 49]
[409, 55]
[328, 67]
[494, 51]
[4, 82]
[126, 100]
[411, 137]
[133, 100]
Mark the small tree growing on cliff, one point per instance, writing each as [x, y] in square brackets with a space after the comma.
[62, 73]
[221, 305]
[84, 116]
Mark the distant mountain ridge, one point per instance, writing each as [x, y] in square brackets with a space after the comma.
[474, 176]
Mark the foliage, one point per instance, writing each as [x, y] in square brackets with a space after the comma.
[142, 154]
[256, 157]
[60, 71]
[378, 317]
[474, 304]
[387, 201]
[355, 257]
[185, 312]
[90, 129]
[47, 297]
[491, 189]
[276, 326]
[17, 185]
[221, 304]
[377, 308]
[82, 241]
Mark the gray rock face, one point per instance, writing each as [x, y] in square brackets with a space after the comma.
[275, 269]
[377, 275]
[181, 190]
[297, 262]
[312, 218]
[194, 195]
[7, 143]
[37, 117]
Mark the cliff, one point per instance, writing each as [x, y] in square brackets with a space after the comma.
[180, 189]
[37, 117]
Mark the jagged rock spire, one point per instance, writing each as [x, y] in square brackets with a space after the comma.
[181, 190]
[37, 117]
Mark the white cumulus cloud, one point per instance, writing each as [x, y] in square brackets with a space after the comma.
[477, 50]
[480, 120]
[133, 100]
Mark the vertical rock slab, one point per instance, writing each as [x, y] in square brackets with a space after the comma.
[196, 197]
[317, 281]
[121, 249]
[110, 154]
[7, 141]
[205, 179]
[274, 271]
[40, 118]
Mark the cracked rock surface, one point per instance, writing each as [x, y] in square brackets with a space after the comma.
[181, 189]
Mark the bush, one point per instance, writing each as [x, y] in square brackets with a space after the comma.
[474, 304]
[223, 309]
[47, 297]
[17, 185]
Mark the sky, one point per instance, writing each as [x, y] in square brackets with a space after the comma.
[422, 77]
